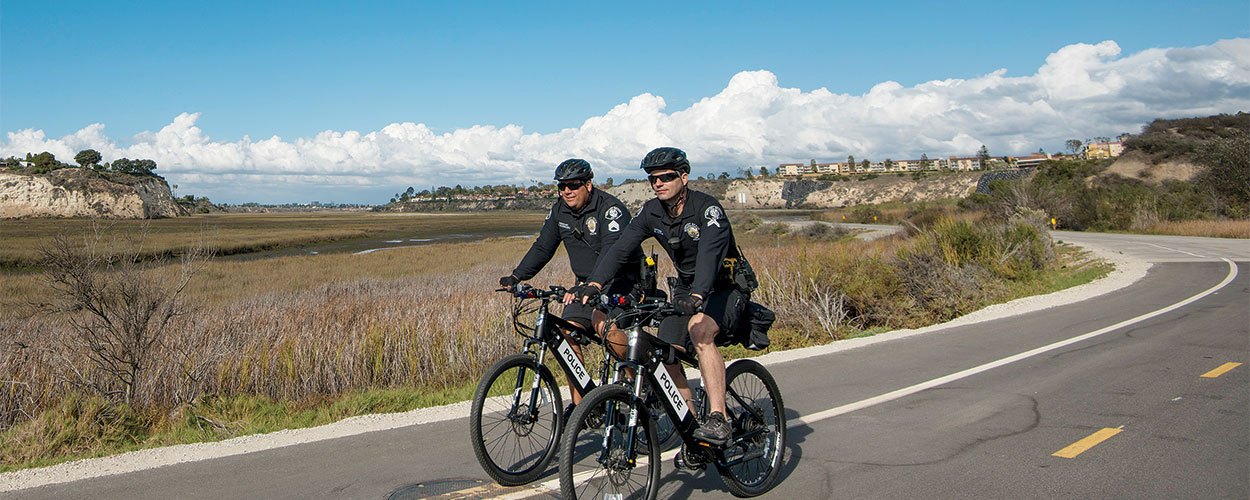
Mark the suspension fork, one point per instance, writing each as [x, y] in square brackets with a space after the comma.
[538, 354]
[632, 357]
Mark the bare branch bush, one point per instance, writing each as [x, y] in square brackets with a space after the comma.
[119, 304]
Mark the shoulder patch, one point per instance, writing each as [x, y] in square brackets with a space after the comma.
[614, 226]
[713, 214]
[612, 213]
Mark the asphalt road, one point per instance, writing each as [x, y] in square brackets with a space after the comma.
[992, 433]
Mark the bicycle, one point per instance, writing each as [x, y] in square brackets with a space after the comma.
[599, 455]
[517, 410]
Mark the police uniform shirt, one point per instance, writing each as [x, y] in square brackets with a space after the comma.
[697, 241]
[586, 233]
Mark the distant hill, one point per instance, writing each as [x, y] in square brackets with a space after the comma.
[1181, 139]
[1179, 149]
[81, 192]
[776, 192]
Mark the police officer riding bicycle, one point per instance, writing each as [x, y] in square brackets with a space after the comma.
[587, 221]
[694, 231]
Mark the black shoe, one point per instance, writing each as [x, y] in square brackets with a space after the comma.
[568, 412]
[714, 430]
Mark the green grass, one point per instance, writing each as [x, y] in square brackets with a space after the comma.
[59, 434]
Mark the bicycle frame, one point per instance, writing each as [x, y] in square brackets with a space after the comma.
[648, 354]
[547, 335]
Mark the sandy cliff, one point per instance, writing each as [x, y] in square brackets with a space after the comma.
[777, 193]
[74, 192]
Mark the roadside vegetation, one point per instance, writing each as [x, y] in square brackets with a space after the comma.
[112, 349]
[1083, 195]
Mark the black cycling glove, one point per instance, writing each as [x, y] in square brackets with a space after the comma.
[688, 305]
[508, 281]
[585, 291]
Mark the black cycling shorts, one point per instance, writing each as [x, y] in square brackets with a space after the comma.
[723, 306]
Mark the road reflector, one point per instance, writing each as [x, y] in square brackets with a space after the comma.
[1091, 441]
[1224, 368]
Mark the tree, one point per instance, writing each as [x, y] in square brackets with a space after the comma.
[889, 164]
[924, 161]
[984, 156]
[609, 182]
[763, 171]
[724, 176]
[1073, 145]
[865, 165]
[44, 160]
[87, 158]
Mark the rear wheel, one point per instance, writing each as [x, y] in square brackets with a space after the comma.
[589, 469]
[752, 458]
[513, 439]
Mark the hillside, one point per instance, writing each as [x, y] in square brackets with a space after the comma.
[785, 193]
[1177, 149]
[78, 192]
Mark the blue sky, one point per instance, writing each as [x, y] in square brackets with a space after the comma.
[254, 70]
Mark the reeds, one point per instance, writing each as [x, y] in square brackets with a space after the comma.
[314, 329]
[1228, 228]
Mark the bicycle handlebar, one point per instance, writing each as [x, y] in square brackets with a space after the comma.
[525, 291]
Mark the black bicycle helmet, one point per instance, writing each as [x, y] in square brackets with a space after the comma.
[574, 169]
[666, 158]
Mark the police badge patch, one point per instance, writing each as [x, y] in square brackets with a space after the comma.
[592, 225]
[713, 215]
[692, 230]
[612, 213]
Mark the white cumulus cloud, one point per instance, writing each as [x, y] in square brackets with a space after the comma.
[1080, 91]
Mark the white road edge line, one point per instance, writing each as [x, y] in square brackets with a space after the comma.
[906, 391]
[554, 485]
[1176, 250]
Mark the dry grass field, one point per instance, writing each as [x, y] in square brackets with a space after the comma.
[264, 344]
[230, 234]
[1209, 228]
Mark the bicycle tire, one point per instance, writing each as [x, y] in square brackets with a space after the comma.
[506, 446]
[755, 386]
[581, 447]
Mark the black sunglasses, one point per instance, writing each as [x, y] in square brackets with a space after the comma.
[571, 186]
[669, 177]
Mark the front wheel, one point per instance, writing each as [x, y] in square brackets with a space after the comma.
[595, 461]
[752, 459]
[515, 424]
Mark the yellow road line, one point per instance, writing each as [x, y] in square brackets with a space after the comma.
[1224, 368]
[1091, 441]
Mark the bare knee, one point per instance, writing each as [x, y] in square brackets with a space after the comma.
[703, 330]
